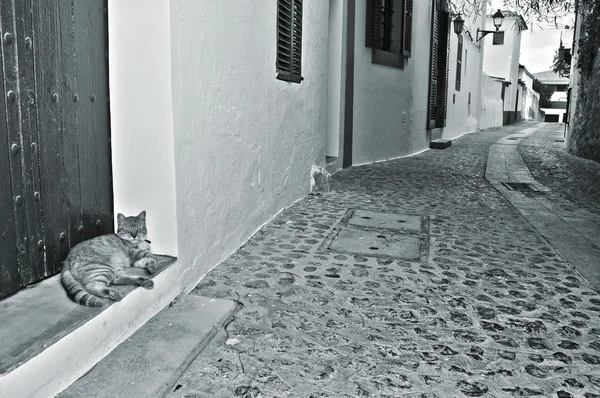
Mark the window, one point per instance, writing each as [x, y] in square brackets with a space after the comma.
[459, 63]
[389, 31]
[498, 39]
[289, 40]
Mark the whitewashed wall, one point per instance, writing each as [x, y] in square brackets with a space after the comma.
[503, 60]
[142, 116]
[491, 103]
[463, 114]
[244, 141]
[390, 104]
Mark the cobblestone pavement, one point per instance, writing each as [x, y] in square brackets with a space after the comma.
[573, 178]
[477, 305]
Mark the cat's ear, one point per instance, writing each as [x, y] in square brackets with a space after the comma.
[120, 218]
[142, 216]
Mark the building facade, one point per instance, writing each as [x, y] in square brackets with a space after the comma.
[220, 112]
[501, 61]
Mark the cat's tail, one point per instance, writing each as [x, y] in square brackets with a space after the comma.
[77, 292]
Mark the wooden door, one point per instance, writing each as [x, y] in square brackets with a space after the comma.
[55, 157]
[439, 65]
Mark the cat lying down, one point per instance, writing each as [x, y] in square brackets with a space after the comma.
[93, 265]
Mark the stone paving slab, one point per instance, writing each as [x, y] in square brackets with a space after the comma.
[153, 358]
[491, 310]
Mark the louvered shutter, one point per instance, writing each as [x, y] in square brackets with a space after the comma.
[297, 39]
[446, 17]
[459, 62]
[374, 21]
[289, 40]
[433, 77]
[407, 37]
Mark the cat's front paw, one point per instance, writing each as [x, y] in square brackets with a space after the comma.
[146, 283]
[113, 295]
[151, 265]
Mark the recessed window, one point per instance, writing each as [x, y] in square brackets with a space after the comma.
[498, 39]
[289, 40]
[389, 31]
[459, 63]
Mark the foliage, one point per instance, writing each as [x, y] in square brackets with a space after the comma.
[545, 92]
[551, 11]
[590, 38]
[561, 66]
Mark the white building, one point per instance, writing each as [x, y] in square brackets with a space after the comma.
[531, 98]
[556, 110]
[501, 61]
[220, 110]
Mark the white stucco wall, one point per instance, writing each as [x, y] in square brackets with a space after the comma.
[142, 116]
[462, 116]
[531, 103]
[503, 60]
[390, 104]
[244, 141]
[491, 103]
[336, 68]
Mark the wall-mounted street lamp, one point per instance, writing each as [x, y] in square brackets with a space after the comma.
[459, 24]
[497, 17]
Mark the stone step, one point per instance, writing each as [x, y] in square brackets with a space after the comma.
[440, 144]
[149, 362]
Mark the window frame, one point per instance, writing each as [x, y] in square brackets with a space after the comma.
[498, 38]
[388, 42]
[289, 18]
[459, 62]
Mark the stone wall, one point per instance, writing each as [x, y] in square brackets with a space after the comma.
[583, 135]
[584, 139]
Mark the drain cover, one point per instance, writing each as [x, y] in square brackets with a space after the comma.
[377, 243]
[520, 186]
[373, 219]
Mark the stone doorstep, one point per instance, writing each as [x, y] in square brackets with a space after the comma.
[440, 144]
[151, 361]
[47, 341]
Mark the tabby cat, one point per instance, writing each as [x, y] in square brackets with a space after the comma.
[94, 264]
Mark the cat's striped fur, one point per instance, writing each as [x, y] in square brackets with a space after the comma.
[94, 264]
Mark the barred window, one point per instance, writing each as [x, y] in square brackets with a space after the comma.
[389, 31]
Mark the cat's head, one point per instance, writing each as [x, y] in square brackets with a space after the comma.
[132, 228]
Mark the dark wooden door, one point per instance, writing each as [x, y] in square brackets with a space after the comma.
[55, 157]
[439, 65]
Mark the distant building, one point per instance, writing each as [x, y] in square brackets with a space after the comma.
[501, 61]
[557, 110]
[530, 98]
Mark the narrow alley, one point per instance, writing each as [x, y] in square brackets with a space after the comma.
[413, 277]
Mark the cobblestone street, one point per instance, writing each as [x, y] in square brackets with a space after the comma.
[454, 294]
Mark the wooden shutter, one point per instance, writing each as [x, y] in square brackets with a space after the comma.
[498, 38]
[433, 77]
[374, 21]
[289, 40]
[297, 39]
[407, 36]
[446, 31]
[459, 62]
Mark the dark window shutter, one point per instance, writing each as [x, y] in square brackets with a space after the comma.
[297, 39]
[433, 89]
[498, 38]
[289, 40]
[446, 16]
[407, 37]
[374, 21]
[459, 62]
